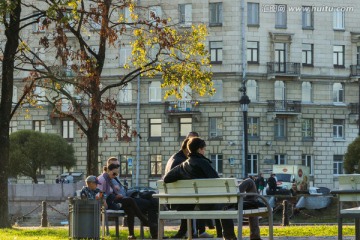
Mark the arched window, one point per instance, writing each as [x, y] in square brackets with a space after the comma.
[306, 91]
[125, 94]
[251, 89]
[338, 93]
[279, 93]
[155, 91]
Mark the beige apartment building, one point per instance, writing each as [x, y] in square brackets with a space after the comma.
[302, 71]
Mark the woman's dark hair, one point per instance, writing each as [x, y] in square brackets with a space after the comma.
[184, 144]
[194, 144]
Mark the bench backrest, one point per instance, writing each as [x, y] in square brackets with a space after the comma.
[198, 191]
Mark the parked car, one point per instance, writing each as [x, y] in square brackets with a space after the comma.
[142, 189]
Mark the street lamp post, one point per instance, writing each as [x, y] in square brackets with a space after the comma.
[244, 104]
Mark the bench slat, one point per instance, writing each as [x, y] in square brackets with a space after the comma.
[198, 200]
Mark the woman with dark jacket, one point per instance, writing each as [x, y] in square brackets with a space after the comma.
[198, 166]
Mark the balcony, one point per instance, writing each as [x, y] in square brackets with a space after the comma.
[354, 70]
[182, 108]
[286, 69]
[284, 107]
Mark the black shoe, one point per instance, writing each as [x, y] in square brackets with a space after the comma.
[179, 235]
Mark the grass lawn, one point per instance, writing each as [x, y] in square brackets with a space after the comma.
[56, 233]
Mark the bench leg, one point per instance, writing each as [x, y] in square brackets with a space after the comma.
[117, 227]
[141, 230]
[340, 228]
[357, 230]
[160, 229]
[189, 229]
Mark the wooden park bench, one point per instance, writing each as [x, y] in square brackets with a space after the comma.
[354, 212]
[207, 191]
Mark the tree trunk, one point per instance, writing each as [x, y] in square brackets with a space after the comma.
[92, 152]
[12, 43]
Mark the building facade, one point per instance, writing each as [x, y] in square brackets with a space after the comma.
[302, 77]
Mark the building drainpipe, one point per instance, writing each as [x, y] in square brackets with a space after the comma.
[138, 129]
[243, 87]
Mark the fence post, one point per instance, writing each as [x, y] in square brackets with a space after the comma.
[44, 220]
[285, 217]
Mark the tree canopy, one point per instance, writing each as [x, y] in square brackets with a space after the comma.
[82, 36]
[352, 157]
[31, 152]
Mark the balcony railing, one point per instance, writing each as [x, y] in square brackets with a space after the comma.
[182, 106]
[283, 68]
[285, 106]
[354, 70]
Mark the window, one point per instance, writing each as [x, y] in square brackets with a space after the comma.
[66, 105]
[280, 128]
[125, 130]
[307, 54]
[39, 94]
[185, 14]
[280, 16]
[280, 159]
[358, 56]
[339, 55]
[216, 51]
[155, 128]
[339, 20]
[154, 13]
[253, 127]
[125, 94]
[12, 127]
[279, 90]
[217, 162]
[101, 129]
[253, 14]
[67, 129]
[185, 126]
[253, 163]
[95, 20]
[216, 15]
[338, 164]
[155, 91]
[218, 96]
[126, 165]
[306, 92]
[252, 52]
[338, 93]
[39, 25]
[15, 95]
[307, 160]
[124, 55]
[39, 58]
[215, 127]
[155, 165]
[125, 15]
[307, 129]
[39, 126]
[280, 55]
[251, 89]
[307, 17]
[338, 129]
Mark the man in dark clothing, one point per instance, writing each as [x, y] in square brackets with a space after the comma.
[198, 166]
[178, 157]
[272, 184]
[251, 202]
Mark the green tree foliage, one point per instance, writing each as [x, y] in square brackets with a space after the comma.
[352, 157]
[31, 152]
